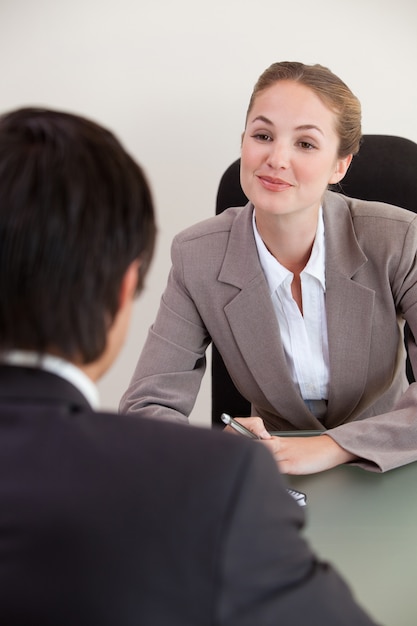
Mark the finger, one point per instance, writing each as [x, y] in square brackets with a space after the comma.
[229, 429]
[256, 425]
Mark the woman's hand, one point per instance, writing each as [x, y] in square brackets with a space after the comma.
[307, 455]
[254, 424]
[300, 455]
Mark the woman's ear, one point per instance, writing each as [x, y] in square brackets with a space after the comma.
[342, 166]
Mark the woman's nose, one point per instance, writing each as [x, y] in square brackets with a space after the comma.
[279, 155]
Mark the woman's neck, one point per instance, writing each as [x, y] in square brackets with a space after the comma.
[289, 238]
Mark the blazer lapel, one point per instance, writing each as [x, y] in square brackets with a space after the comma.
[253, 324]
[349, 307]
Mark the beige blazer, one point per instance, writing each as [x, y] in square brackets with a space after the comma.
[217, 292]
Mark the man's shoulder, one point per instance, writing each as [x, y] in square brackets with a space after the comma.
[183, 448]
[170, 434]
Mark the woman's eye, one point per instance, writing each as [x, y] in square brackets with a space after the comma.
[262, 137]
[306, 145]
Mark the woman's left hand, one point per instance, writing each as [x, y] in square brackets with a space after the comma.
[307, 455]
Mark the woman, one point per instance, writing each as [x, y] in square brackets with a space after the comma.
[304, 291]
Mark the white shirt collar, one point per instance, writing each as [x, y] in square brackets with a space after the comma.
[275, 273]
[58, 366]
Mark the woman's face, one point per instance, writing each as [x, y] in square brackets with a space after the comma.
[289, 150]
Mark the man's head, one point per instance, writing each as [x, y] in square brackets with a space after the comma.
[75, 214]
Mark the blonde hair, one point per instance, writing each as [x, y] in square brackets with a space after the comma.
[331, 90]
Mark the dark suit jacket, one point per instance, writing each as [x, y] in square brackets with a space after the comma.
[217, 291]
[121, 521]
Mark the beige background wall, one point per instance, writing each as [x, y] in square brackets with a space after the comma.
[173, 78]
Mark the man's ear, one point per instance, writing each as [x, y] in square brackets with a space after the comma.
[342, 166]
[116, 332]
[129, 284]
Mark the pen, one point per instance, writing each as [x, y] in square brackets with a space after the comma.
[237, 426]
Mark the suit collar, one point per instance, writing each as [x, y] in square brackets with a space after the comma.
[56, 365]
[30, 385]
[241, 263]
[343, 253]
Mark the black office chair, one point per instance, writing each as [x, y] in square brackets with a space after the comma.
[385, 169]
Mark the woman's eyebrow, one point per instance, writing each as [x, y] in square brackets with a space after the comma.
[310, 127]
[262, 118]
[266, 120]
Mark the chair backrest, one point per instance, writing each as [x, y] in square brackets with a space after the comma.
[385, 169]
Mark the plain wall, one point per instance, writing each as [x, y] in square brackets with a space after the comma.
[172, 79]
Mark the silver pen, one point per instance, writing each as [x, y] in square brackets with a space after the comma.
[237, 426]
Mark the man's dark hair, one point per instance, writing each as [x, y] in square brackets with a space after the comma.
[75, 212]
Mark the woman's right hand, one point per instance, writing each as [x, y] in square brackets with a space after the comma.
[254, 424]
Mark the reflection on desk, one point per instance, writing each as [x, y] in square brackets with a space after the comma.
[366, 525]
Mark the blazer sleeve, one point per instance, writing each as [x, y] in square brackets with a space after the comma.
[168, 374]
[389, 440]
[386, 441]
[268, 574]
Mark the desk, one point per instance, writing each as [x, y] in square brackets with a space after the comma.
[366, 525]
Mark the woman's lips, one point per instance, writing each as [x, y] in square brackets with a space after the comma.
[274, 184]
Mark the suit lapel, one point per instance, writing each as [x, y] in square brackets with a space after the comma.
[349, 307]
[248, 313]
[252, 321]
